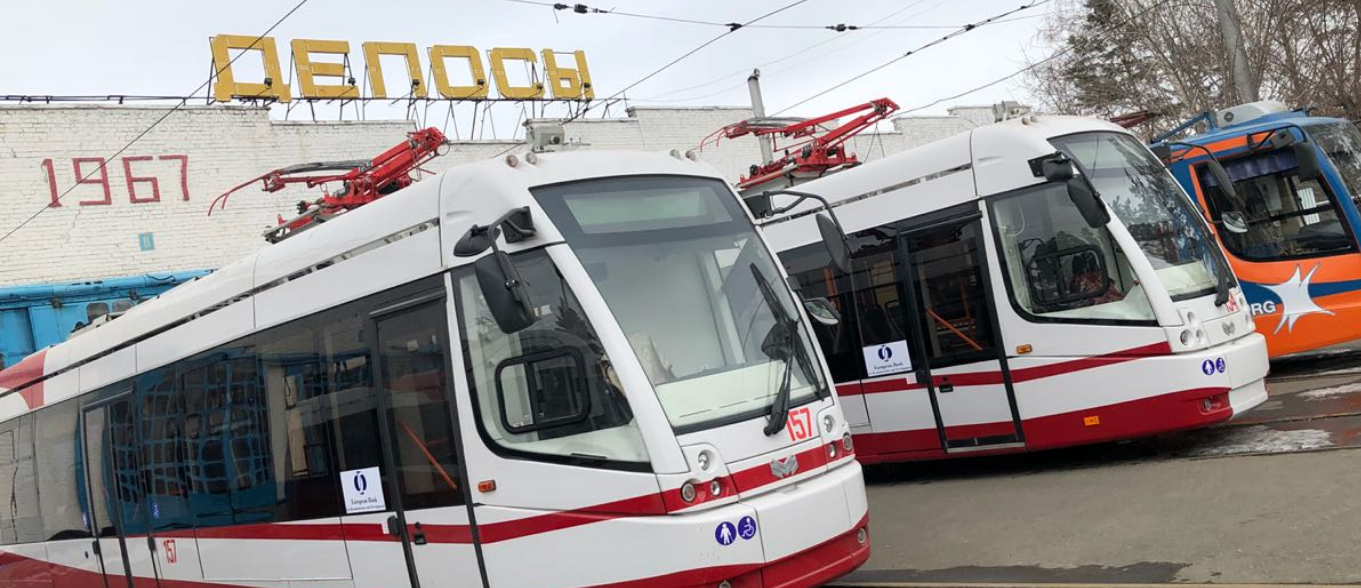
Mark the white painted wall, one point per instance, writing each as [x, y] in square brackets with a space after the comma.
[227, 145]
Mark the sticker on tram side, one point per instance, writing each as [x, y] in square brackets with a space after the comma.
[363, 490]
[1211, 367]
[746, 528]
[887, 358]
[725, 533]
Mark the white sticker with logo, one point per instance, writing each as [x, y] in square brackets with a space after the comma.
[363, 490]
[888, 358]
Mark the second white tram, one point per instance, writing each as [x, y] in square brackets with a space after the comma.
[1032, 284]
[552, 370]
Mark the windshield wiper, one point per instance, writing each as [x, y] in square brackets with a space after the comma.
[778, 344]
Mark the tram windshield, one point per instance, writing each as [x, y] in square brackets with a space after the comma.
[695, 291]
[1143, 195]
[1341, 143]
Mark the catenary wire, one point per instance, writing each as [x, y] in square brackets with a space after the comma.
[663, 68]
[962, 30]
[172, 110]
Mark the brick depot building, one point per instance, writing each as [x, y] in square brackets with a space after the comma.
[140, 226]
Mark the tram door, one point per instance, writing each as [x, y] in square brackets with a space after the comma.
[955, 330]
[427, 501]
[118, 515]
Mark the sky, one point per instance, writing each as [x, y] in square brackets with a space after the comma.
[160, 47]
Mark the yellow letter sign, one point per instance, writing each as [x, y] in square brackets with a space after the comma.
[227, 87]
[308, 70]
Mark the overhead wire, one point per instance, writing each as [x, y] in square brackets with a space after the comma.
[1039, 63]
[837, 27]
[784, 58]
[104, 163]
[587, 108]
[961, 31]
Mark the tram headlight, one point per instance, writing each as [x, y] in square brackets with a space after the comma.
[846, 444]
[704, 460]
[687, 492]
[715, 488]
[828, 422]
[1186, 337]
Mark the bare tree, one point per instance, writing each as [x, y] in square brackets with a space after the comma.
[1167, 56]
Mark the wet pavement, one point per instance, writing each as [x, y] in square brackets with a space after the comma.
[1267, 498]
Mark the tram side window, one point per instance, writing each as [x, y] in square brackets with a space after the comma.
[1058, 267]
[880, 308]
[1287, 216]
[548, 390]
[950, 292]
[20, 520]
[812, 266]
[348, 372]
[300, 417]
[161, 445]
[227, 438]
[57, 449]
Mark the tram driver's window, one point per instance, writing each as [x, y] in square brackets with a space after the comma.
[1287, 216]
[548, 391]
[1058, 267]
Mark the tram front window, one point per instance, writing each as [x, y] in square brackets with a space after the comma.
[695, 291]
[1288, 216]
[1341, 143]
[1143, 195]
[1058, 267]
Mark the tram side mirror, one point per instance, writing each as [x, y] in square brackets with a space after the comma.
[1088, 204]
[1307, 160]
[835, 241]
[758, 204]
[504, 292]
[821, 310]
[1057, 169]
[1234, 222]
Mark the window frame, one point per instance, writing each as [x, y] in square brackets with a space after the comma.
[578, 362]
[503, 450]
[1214, 215]
[1002, 267]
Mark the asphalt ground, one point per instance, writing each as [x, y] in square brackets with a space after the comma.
[1273, 497]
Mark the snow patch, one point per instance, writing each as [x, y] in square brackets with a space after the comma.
[1351, 388]
[1260, 439]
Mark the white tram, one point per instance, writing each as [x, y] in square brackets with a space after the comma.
[1031, 284]
[564, 369]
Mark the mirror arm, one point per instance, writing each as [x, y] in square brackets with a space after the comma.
[827, 206]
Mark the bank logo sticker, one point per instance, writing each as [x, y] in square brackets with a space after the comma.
[1295, 299]
[725, 533]
[363, 490]
[746, 528]
[887, 358]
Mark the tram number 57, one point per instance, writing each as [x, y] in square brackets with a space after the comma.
[800, 424]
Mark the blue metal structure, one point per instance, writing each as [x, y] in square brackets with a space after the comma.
[35, 316]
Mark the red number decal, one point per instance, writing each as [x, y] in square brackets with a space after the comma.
[51, 182]
[134, 180]
[800, 424]
[184, 172]
[102, 180]
[170, 555]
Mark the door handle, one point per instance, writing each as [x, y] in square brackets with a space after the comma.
[418, 537]
[151, 543]
[394, 528]
[96, 549]
[945, 386]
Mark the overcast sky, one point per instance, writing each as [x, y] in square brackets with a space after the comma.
[160, 47]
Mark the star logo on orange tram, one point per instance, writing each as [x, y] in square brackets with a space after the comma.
[1295, 299]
